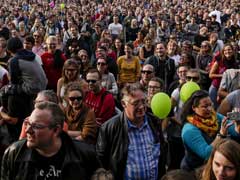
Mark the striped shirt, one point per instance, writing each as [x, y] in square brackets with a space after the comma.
[143, 153]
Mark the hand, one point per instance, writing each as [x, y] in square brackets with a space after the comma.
[224, 126]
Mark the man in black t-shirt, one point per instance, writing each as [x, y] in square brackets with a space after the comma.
[48, 152]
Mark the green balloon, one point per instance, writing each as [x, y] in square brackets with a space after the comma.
[161, 105]
[187, 89]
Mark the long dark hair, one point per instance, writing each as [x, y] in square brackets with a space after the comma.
[193, 101]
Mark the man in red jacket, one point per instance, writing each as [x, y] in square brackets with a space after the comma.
[101, 101]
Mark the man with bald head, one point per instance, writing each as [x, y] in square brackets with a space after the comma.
[147, 74]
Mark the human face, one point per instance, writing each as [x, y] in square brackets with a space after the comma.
[172, 47]
[70, 72]
[228, 52]
[223, 169]
[27, 45]
[153, 88]
[160, 50]
[118, 43]
[39, 129]
[182, 73]
[192, 76]
[83, 56]
[128, 51]
[147, 73]
[204, 108]
[93, 82]
[75, 99]
[101, 65]
[135, 107]
[40, 98]
[52, 44]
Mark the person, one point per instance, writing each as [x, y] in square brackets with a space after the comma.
[102, 174]
[53, 60]
[108, 81]
[98, 98]
[27, 78]
[202, 127]
[179, 174]
[221, 62]
[42, 96]
[70, 73]
[129, 66]
[147, 49]
[224, 162]
[80, 119]
[48, 152]
[126, 138]
[147, 73]
[164, 66]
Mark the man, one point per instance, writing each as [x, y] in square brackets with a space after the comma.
[48, 152]
[164, 66]
[115, 27]
[191, 29]
[131, 145]
[146, 74]
[98, 99]
[4, 56]
[27, 78]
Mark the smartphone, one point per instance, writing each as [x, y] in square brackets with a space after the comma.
[233, 116]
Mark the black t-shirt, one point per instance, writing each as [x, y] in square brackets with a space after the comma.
[49, 167]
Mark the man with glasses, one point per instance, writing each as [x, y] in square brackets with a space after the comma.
[131, 145]
[98, 99]
[48, 152]
[147, 73]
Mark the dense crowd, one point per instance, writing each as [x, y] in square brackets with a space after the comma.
[77, 78]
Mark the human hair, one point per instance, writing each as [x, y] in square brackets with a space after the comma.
[193, 101]
[57, 115]
[73, 86]
[101, 173]
[130, 89]
[94, 70]
[147, 38]
[230, 150]
[223, 57]
[179, 174]
[67, 64]
[30, 39]
[209, 47]
[158, 80]
[130, 45]
[14, 45]
[50, 95]
[175, 44]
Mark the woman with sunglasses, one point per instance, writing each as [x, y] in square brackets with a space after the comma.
[108, 80]
[70, 73]
[202, 128]
[80, 119]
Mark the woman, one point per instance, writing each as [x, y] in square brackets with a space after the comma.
[80, 119]
[128, 66]
[70, 73]
[146, 50]
[172, 49]
[118, 47]
[224, 162]
[131, 32]
[203, 60]
[107, 43]
[53, 60]
[108, 81]
[84, 62]
[221, 62]
[202, 127]
[138, 43]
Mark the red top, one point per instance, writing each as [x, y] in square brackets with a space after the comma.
[104, 107]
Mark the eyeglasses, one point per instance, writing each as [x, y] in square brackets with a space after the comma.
[154, 87]
[35, 126]
[138, 102]
[192, 78]
[101, 63]
[146, 72]
[78, 98]
[91, 81]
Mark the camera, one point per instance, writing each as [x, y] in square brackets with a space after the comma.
[233, 116]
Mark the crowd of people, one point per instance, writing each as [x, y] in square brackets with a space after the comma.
[77, 78]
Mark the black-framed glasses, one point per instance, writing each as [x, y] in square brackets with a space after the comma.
[101, 63]
[154, 87]
[35, 126]
[138, 102]
[78, 98]
[146, 72]
[192, 78]
[91, 81]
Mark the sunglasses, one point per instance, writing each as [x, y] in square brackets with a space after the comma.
[91, 81]
[146, 72]
[78, 98]
[101, 63]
